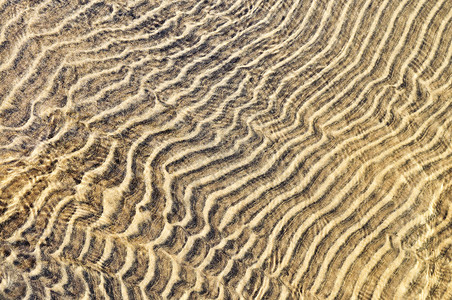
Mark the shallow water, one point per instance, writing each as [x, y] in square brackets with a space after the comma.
[225, 149]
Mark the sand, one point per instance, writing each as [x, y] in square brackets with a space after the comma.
[224, 149]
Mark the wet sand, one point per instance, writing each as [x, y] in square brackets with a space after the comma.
[226, 149]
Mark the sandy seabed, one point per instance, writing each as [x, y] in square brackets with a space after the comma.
[220, 149]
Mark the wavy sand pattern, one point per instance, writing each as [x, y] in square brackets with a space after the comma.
[221, 149]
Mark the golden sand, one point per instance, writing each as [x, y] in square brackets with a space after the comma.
[223, 149]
